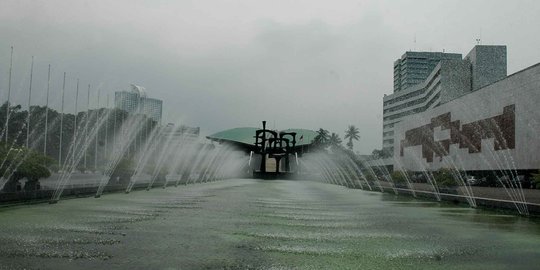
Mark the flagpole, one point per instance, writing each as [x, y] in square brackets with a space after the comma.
[86, 126]
[9, 94]
[47, 110]
[114, 126]
[29, 104]
[62, 121]
[75, 128]
[107, 128]
[97, 132]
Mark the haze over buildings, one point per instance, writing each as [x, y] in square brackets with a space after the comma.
[309, 64]
[427, 80]
[137, 101]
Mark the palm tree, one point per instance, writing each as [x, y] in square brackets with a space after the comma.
[322, 137]
[334, 141]
[352, 134]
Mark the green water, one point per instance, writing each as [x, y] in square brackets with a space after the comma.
[250, 224]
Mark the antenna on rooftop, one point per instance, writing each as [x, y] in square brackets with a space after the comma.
[479, 39]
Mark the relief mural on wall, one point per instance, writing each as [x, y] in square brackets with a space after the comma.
[501, 128]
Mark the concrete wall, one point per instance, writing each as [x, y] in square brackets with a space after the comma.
[456, 79]
[463, 133]
[488, 65]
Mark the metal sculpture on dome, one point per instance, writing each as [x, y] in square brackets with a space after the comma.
[277, 145]
[272, 153]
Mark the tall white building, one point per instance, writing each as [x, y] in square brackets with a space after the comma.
[448, 79]
[494, 128]
[414, 67]
[137, 102]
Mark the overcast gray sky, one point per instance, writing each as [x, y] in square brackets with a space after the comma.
[231, 63]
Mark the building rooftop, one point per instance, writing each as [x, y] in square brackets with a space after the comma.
[139, 90]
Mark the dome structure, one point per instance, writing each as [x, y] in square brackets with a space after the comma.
[244, 137]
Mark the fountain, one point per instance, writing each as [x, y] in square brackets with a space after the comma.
[158, 158]
[301, 221]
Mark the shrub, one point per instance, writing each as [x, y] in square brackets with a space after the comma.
[398, 177]
[536, 181]
[369, 176]
[444, 177]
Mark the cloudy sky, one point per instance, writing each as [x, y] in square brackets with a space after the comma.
[230, 63]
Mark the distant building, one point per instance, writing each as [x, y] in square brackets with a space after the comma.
[137, 102]
[424, 80]
[414, 67]
[178, 137]
[179, 132]
[152, 108]
[492, 129]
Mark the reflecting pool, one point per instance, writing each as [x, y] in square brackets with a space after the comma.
[252, 224]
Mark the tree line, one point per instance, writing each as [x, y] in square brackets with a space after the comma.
[325, 140]
[107, 121]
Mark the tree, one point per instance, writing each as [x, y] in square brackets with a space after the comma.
[334, 141]
[322, 138]
[159, 171]
[376, 154]
[123, 171]
[444, 178]
[352, 133]
[398, 177]
[112, 127]
[536, 181]
[22, 163]
[380, 154]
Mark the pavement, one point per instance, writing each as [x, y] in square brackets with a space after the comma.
[496, 193]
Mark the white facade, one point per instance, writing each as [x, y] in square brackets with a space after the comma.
[414, 67]
[151, 107]
[494, 128]
[449, 79]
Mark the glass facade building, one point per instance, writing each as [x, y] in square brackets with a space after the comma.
[137, 102]
[414, 67]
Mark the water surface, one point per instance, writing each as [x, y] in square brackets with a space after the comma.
[252, 224]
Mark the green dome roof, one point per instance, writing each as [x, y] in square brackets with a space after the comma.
[303, 136]
[246, 135]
